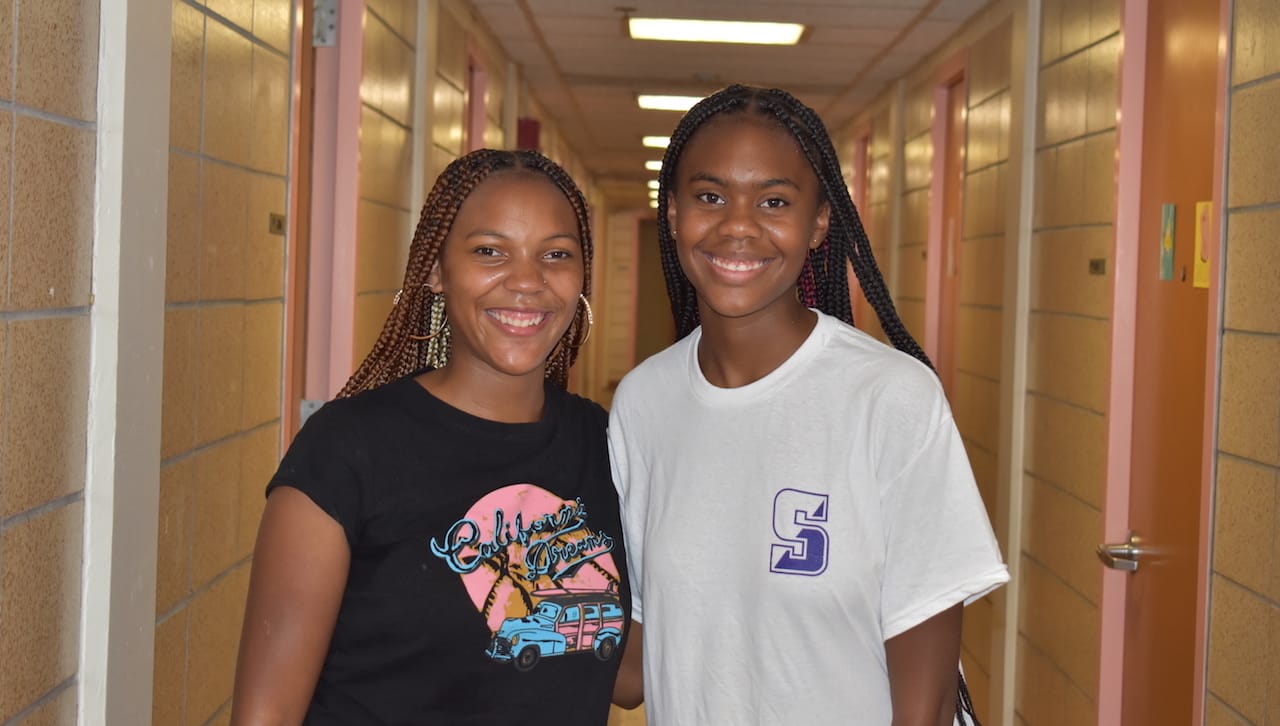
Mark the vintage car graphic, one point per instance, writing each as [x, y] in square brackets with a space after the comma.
[562, 621]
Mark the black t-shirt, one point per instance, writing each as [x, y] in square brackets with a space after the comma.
[488, 579]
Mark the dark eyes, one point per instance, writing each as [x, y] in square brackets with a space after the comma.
[715, 199]
[558, 254]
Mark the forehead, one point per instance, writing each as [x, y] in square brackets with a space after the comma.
[517, 195]
[744, 142]
[500, 184]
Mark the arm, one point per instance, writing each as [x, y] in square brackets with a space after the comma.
[628, 690]
[300, 568]
[923, 665]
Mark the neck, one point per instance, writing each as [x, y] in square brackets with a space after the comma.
[736, 351]
[486, 394]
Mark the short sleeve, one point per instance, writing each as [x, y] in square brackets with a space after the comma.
[630, 504]
[323, 462]
[939, 546]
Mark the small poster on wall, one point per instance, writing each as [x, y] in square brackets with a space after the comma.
[1166, 241]
[1204, 218]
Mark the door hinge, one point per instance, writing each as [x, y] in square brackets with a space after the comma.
[324, 24]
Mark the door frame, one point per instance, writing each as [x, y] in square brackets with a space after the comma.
[951, 76]
[1124, 319]
[1130, 108]
[298, 222]
[334, 198]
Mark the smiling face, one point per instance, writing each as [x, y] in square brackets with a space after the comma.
[510, 270]
[745, 210]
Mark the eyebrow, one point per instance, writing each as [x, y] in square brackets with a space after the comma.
[494, 233]
[765, 184]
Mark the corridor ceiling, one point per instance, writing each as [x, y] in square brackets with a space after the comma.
[586, 71]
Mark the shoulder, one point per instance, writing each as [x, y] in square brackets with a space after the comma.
[353, 409]
[878, 362]
[339, 422]
[577, 407]
[891, 383]
[656, 373]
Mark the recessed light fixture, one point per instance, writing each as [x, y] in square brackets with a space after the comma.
[654, 165]
[714, 31]
[653, 183]
[656, 142]
[653, 204]
[653, 193]
[651, 102]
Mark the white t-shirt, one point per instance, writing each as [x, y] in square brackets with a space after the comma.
[781, 531]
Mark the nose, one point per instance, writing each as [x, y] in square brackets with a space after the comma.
[739, 221]
[525, 274]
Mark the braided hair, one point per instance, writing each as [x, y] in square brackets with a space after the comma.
[397, 353]
[823, 282]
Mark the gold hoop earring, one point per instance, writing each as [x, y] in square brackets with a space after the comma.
[439, 337]
[437, 318]
[591, 321]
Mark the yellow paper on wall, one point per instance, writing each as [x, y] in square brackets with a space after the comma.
[1204, 218]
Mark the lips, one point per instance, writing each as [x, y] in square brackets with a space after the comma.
[519, 320]
[737, 265]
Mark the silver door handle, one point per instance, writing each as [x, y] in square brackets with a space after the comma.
[1122, 556]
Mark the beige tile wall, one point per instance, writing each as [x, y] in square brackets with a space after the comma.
[1064, 445]
[979, 315]
[385, 214]
[448, 90]
[224, 293]
[48, 96]
[1244, 617]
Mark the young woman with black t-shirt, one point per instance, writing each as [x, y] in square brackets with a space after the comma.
[441, 543]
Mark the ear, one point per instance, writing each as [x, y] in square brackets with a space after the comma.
[433, 279]
[671, 212]
[821, 225]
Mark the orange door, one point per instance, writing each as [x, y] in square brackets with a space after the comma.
[1169, 366]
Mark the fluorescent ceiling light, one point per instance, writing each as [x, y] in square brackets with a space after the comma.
[655, 165]
[666, 103]
[714, 31]
[653, 204]
[656, 142]
[653, 193]
[653, 183]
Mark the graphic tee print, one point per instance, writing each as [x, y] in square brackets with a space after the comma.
[520, 597]
[544, 581]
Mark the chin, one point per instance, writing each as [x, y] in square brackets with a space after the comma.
[733, 308]
[518, 367]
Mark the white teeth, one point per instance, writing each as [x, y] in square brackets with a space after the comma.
[737, 265]
[518, 320]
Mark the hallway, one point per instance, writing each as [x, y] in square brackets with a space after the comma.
[1075, 204]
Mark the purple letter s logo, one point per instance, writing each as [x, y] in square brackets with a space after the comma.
[795, 518]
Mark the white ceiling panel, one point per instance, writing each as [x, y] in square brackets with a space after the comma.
[585, 72]
[926, 36]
